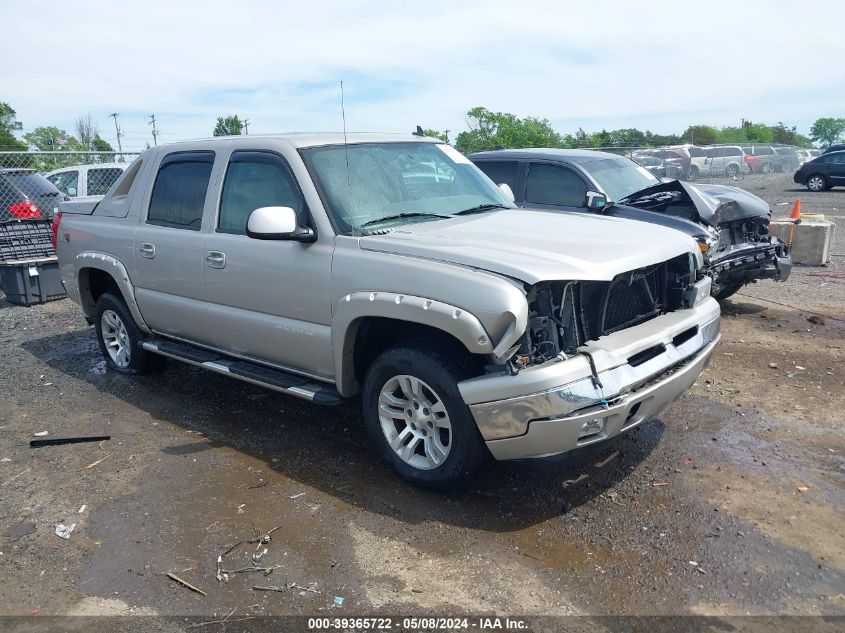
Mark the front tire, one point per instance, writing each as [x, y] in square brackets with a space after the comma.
[120, 338]
[731, 170]
[767, 168]
[816, 183]
[693, 172]
[727, 291]
[416, 418]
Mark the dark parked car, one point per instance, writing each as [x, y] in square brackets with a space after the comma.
[824, 172]
[730, 225]
[26, 195]
[834, 148]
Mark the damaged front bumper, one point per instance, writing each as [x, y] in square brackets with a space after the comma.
[613, 385]
[742, 263]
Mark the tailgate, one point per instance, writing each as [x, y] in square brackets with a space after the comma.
[80, 206]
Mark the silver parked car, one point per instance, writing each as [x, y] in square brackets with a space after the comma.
[391, 267]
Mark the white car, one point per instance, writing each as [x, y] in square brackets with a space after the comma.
[86, 180]
[721, 160]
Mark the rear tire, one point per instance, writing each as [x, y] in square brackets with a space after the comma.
[767, 168]
[731, 171]
[120, 338]
[416, 418]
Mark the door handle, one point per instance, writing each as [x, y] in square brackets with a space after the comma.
[147, 250]
[215, 259]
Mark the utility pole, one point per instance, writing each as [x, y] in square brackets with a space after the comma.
[152, 121]
[446, 132]
[246, 126]
[117, 132]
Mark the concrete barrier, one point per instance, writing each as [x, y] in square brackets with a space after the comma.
[813, 240]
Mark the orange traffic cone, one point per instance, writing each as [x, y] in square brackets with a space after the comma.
[795, 216]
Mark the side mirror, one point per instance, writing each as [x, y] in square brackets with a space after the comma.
[507, 191]
[277, 223]
[596, 201]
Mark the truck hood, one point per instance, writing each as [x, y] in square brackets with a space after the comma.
[537, 245]
[714, 203]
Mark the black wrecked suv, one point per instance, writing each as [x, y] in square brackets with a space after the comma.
[824, 172]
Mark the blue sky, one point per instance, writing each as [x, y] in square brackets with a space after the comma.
[598, 64]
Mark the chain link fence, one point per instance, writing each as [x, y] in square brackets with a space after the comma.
[33, 183]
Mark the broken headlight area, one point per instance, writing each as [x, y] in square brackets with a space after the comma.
[744, 231]
[563, 315]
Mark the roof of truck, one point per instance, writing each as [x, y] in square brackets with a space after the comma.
[313, 139]
[571, 155]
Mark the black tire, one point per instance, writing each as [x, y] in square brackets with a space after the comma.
[767, 168]
[693, 172]
[811, 180]
[728, 291]
[440, 368]
[140, 361]
[731, 171]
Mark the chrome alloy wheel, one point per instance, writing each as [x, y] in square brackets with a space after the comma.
[415, 422]
[815, 183]
[116, 338]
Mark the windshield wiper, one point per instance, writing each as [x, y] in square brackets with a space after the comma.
[399, 216]
[481, 208]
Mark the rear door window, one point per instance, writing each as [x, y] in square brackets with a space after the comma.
[180, 188]
[101, 179]
[550, 184]
[254, 180]
[501, 172]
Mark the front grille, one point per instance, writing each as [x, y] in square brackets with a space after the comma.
[628, 299]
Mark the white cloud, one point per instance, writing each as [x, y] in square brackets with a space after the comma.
[656, 65]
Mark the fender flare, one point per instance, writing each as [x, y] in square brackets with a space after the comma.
[115, 268]
[356, 306]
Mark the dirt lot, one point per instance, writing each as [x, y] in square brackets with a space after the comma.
[731, 502]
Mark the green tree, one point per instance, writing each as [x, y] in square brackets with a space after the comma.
[99, 145]
[51, 139]
[8, 125]
[827, 131]
[435, 134]
[488, 130]
[228, 126]
[701, 135]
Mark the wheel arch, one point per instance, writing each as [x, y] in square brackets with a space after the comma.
[367, 323]
[98, 273]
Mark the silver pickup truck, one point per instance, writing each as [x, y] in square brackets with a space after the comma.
[391, 267]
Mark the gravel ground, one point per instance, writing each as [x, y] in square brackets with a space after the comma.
[730, 503]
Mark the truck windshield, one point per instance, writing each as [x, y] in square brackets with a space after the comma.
[620, 177]
[400, 182]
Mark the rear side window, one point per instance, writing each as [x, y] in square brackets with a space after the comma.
[501, 172]
[549, 184]
[100, 180]
[32, 184]
[255, 180]
[696, 152]
[179, 191]
[67, 182]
